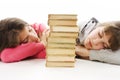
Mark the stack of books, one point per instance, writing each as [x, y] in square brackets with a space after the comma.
[61, 41]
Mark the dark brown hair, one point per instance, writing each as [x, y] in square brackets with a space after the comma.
[9, 32]
[113, 28]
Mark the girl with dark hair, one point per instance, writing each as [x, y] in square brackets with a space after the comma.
[19, 40]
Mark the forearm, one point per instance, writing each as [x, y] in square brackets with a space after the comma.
[105, 55]
[21, 52]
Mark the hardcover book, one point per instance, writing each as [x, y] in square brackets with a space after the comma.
[62, 16]
[60, 64]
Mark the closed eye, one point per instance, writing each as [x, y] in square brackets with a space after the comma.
[25, 40]
[99, 35]
[105, 45]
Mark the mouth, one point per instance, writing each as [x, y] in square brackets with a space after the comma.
[90, 44]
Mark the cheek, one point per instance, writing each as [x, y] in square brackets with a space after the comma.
[86, 41]
[23, 35]
[98, 47]
[34, 35]
[93, 34]
[32, 39]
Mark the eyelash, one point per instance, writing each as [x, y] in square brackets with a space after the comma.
[26, 40]
[104, 45]
[101, 37]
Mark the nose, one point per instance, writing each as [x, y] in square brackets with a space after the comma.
[33, 39]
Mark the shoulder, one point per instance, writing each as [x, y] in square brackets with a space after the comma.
[39, 27]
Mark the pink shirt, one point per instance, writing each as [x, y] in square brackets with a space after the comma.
[23, 51]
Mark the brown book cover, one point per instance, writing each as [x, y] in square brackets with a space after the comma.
[60, 52]
[61, 45]
[64, 29]
[62, 16]
[52, 22]
[60, 58]
[63, 34]
[60, 64]
[61, 40]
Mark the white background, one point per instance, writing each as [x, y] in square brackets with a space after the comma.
[36, 70]
[37, 11]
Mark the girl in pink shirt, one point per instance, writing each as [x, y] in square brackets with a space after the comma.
[19, 40]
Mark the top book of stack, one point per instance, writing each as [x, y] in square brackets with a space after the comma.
[63, 16]
[62, 19]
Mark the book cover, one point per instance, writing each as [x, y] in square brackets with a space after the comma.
[63, 34]
[59, 64]
[60, 58]
[62, 16]
[64, 29]
[60, 52]
[62, 22]
[61, 45]
[61, 40]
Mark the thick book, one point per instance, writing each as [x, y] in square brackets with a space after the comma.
[59, 64]
[64, 28]
[61, 45]
[61, 40]
[62, 16]
[62, 22]
[60, 52]
[63, 34]
[60, 58]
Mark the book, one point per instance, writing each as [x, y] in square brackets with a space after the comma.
[62, 16]
[61, 40]
[61, 45]
[64, 29]
[60, 52]
[60, 64]
[63, 34]
[52, 22]
[60, 58]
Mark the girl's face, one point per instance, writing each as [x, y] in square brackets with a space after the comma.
[28, 35]
[97, 39]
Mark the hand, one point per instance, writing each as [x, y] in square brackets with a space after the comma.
[82, 52]
[44, 36]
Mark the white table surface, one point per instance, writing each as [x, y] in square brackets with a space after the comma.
[35, 69]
